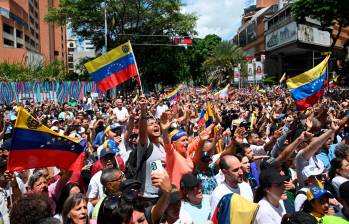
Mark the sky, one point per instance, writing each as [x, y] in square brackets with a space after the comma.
[221, 17]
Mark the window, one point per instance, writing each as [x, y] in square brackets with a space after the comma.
[56, 53]
[7, 29]
[8, 42]
[19, 45]
[70, 49]
[19, 34]
[71, 65]
[26, 38]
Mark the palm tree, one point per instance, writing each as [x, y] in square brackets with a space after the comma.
[220, 65]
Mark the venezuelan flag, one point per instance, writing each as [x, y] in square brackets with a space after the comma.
[206, 117]
[114, 67]
[308, 87]
[173, 96]
[225, 92]
[233, 208]
[34, 145]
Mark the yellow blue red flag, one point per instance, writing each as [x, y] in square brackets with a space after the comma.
[173, 96]
[308, 87]
[114, 67]
[207, 117]
[35, 145]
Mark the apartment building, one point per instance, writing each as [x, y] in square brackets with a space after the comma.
[24, 35]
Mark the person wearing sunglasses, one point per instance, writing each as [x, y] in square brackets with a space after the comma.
[195, 203]
[313, 176]
[270, 195]
[111, 180]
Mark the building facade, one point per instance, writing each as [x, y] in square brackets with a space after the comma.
[25, 37]
[271, 34]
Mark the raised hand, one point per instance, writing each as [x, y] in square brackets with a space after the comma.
[165, 122]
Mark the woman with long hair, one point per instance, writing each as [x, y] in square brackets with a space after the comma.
[269, 196]
[69, 189]
[75, 210]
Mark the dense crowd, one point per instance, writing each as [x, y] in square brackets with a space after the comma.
[152, 161]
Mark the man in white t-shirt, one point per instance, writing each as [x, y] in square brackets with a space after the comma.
[160, 109]
[120, 112]
[95, 187]
[231, 168]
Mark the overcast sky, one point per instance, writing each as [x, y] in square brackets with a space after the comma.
[221, 17]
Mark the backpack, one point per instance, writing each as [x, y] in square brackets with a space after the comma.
[132, 168]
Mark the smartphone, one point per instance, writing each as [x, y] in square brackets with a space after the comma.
[347, 113]
[156, 166]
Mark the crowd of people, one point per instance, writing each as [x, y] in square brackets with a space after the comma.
[256, 159]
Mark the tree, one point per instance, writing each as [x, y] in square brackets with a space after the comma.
[224, 57]
[198, 53]
[131, 20]
[328, 12]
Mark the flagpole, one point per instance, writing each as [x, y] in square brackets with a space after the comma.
[134, 58]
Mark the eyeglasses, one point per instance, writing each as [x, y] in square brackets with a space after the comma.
[119, 179]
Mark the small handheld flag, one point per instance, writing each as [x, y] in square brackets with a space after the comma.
[173, 96]
[35, 145]
[114, 67]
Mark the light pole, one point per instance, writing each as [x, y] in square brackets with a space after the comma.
[105, 28]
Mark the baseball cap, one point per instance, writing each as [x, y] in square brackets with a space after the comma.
[271, 176]
[106, 151]
[188, 181]
[312, 170]
[114, 127]
[317, 192]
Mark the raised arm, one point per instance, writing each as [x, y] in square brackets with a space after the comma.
[129, 129]
[287, 152]
[143, 136]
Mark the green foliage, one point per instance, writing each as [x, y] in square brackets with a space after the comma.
[220, 64]
[17, 72]
[201, 49]
[129, 20]
[328, 12]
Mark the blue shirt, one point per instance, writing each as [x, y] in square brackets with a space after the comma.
[98, 139]
[326, 157]
[208, 180]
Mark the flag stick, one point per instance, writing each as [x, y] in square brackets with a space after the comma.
[134, 58]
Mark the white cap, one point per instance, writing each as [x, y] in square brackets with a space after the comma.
[312, 170]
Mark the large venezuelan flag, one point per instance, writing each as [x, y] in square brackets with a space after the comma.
[113, 68]
[308, 87]
[232, 209]
[35, 145]
[173, 96]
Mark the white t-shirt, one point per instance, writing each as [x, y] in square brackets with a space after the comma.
[337, 181]
[268, 214]
[120, 114]
[95, 187]
[300, 199]
[160, 110]
[243, 189]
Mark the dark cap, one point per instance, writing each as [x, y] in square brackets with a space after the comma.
[106, 151]
[188, 181]
[270, 163]
[271, 176]
[130, 183]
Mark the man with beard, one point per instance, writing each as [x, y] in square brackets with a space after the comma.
[231, 168]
